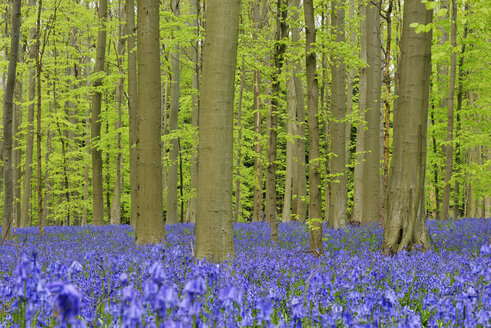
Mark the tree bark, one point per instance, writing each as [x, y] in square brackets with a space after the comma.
[118, 99]
[214, 229]
[290, 131]
[8, 108]
[371, 167]
[97, 190]
[357, 212]
[173, 119]
[132, 102]
[299, 206]
[338, 202]
[239, 144]
[450, 115]
[192, 206]
[149, 221]
[16, 151]
[280, 47]
[315, 199]
[27, 188]
[405, 226]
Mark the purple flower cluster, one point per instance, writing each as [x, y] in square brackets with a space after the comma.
[98, 277]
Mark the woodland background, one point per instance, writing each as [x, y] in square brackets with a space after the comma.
[57, 78]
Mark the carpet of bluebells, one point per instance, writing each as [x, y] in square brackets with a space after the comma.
[97, 277]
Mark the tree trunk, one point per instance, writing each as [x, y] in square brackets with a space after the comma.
[118, 99]
[258, 187]
[132, 102]
[405, 226]
[315, 199]
[290, 131]
[192, 206]
[299, 207]
[8, 108]
[173, 119]
[450, 110]
[371, 167]
[149, 221]
[280, 47]
[388, 18]
[97, 190]
[16, 151]
[239, 143]
[357, 212]
[214, 229]
[27, 188]
[338, 201]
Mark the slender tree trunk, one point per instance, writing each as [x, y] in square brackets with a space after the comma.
[27, 188]
[239, 144]
[456, 209]
[300, 192]
[258, 187]
[16, 151]
[118, 99]
[132, 102]
[388, 18]
[338, 202]
[280, 47]
[290, 132]
[149, 222]
[192, 206]
[450, 115]
[315, 199]
[97, 189]
[357, 212]
[38, 119]
[214, 229]
[371, 167]
[405, 226]
[173, 119]
[8, 108]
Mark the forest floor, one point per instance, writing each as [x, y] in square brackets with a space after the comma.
[98, 277]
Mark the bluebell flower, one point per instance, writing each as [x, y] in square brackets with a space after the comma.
[68, 303]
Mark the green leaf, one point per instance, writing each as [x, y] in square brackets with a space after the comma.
[441, 12]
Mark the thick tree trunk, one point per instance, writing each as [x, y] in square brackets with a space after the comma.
[338, 202]
[149, 221]
[450, 114]
[8, 108]
[132, 102]
[214, 229]
[173, 119]
[371, 167]
[315, 199]
[97, 190]
[405, 226]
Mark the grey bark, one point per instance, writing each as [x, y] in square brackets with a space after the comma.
[338, 202]
[8, 108]
[95, 132]
[405, 226]
[214, 229]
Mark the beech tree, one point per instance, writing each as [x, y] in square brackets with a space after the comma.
[8, 111]
[149, 203]
[405, 225]
[214, 230]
